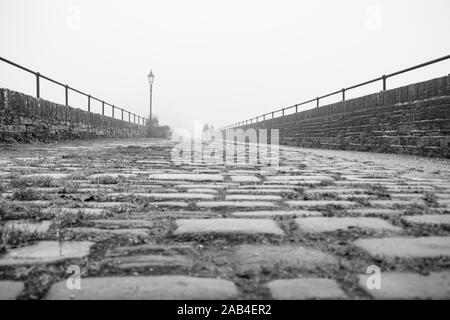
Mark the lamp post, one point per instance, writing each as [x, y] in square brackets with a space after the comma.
[151, 78]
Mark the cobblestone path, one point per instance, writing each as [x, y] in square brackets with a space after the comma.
[135, 225]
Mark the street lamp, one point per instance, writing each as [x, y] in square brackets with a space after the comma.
[151, 78]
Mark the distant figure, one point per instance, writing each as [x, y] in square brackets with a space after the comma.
[212, 134]
[206, 135]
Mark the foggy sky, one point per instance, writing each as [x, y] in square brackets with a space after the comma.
[218, 61]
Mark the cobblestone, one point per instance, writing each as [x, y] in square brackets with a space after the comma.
[179, 204]
[439, 219]
[256, 257]
[46, 252]
[181, 196]
[421, 247]
[137, 232]
[253, 197]
[245, 179]
[152, 260]
[146, 288]
[322, 203]
[186, 177]
[306, 229]
[375, 212]
[9, 290]
[293, 213]
[30, 227]
[125, 223]
[306, 288]
[227, 226]
[324, 224]
[236, 204]
[396, 203]
[397, 285]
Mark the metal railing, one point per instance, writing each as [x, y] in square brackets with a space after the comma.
[383, 78]
[136, 119]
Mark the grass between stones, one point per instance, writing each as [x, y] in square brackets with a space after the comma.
[212, 255]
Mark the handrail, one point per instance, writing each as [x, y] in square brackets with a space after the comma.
[140, 120]
[342, 91]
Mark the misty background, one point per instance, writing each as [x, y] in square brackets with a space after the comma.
[218, 61]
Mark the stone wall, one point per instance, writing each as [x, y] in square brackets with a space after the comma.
[24, 118]
[413, 119]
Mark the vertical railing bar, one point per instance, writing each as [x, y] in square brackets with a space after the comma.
[66, 87]
[38, 86]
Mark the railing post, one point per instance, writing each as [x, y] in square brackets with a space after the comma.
[103, 108]
[317, 102]
[296, 108]
[38, 86]
[134, 118]
[282, 112]
[272, 115]
[67, 95]
[343, 94]
[264, 117]
[89, 103]
[112, 111]
[129, 116]
[122, 114]
[384, 82]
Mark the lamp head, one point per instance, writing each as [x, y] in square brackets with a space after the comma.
[151, 77]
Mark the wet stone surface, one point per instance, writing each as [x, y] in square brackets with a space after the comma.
[227, 226]
[45, 252]
[406, 285]
[141, 226]
[256, 257]
[9, 290]
[420, 247]
[323, 224]
[306, 288]
[147, 288]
